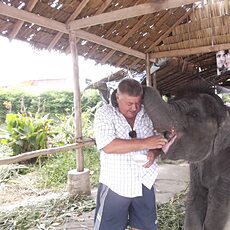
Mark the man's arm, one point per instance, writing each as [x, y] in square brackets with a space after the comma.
[124, 146]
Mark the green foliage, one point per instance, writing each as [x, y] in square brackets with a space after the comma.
[53, 173]
[46, 215]
[65, 129]
[171, 214]
[57, 102]
[226, 98]
[13, 101]
[26, 133]
[52, 102]
[92, 162]
[90, 100]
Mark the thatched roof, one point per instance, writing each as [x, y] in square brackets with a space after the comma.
[122, 32]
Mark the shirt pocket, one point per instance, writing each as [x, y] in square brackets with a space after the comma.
[146, 130]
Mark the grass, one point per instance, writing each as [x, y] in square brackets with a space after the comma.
[53, 172]
[47, 214]
[171, 214]
[8, 172]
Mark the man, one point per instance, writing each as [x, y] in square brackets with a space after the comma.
[126, 190]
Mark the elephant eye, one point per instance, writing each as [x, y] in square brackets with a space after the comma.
[193, 114]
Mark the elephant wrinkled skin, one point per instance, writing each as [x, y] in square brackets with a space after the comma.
[202, 125]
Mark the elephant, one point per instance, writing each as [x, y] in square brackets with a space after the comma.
[201, 124]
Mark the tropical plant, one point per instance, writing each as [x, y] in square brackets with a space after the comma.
[64, 127]
[26, 133]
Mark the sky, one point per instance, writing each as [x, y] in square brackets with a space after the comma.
[20, 62]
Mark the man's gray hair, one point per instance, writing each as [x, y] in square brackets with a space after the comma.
[130, 87]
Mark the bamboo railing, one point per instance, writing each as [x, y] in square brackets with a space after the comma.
[37, 153]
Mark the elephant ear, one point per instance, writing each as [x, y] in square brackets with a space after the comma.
[222, 140]
[113, 98]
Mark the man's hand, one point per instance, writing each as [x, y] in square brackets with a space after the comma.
[155, 142]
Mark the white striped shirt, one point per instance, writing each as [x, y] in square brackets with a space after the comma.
[118, 171]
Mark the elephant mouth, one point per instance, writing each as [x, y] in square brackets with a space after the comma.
[171, 137]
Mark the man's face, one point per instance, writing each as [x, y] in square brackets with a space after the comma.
[129, 106]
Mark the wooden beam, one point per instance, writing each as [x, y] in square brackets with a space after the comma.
[19, 24]
[114, 26]
[189, 51]
[166, 33]
[42, 152]
[125, 38]
[72, 17]
[104, 6]
[125, 13]
[32, 18]
[101, 9]
[162, 14]
[112, 45]
[58, 26]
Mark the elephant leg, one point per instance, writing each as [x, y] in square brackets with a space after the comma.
[196, 205]
[218, 211]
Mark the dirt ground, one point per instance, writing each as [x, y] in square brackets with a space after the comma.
[22, 191]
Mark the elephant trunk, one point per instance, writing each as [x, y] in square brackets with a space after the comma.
[160, 112]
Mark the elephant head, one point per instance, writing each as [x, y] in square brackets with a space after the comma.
[200, 119]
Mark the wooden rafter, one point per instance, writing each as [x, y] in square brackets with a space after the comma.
[125, 13]
[190, 51]
[112, 45]
[141, 41]
[60, 27]
[72, 17]
[108, 33]
[166, 33]
[19, 24]
[24, 15]
[125, 38]
[101, 9]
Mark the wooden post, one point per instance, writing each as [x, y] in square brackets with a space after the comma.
[77, 101]
[155, 80]
[148, 75]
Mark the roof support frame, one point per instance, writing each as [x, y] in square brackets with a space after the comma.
[72, 17]
[61, 27]
[125, 13]
[19, 24]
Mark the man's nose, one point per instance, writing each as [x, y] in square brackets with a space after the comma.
[134, 107]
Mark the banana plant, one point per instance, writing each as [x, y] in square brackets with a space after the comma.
[24, 133]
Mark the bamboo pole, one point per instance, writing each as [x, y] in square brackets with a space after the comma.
[148, 74]
[155, 80]
[77, 100]
[42, 152]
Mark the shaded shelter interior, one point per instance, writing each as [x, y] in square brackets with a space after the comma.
[187, 33]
